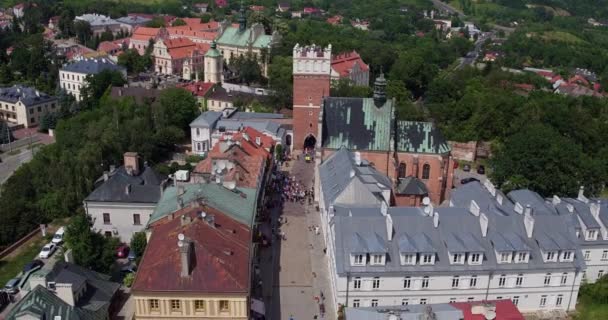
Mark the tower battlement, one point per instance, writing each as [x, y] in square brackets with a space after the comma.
[313, 60]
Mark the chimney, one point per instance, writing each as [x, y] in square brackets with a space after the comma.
[529, 224]
[106, 176]
[389, 227]
[185, 219]
[556, 200]
[128, 189]
[120, 92]
[436, 219]
[499, 198]
[528, 210]
[483, 223]
[131, 163]
[185, 252]
[581, 195]
[180, 203]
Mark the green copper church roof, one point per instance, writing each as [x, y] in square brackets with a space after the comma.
[357, 124]
[234, 37]
[213, 52]
[239, 204]
[420, 137]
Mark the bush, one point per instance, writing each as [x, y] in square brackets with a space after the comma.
[128, 280]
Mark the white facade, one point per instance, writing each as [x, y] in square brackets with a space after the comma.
[201, 139]
[72, 83]
[596, 259]
[119, 219]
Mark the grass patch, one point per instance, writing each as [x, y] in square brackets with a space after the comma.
[9, 268]
[560, 36]
[591, 311]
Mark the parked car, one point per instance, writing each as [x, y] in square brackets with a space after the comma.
[132, 256]
[131, 268]
[122, 251]
[481, 169]
[466, 168]
[12, 286]
[32, 265]
[467, 180]
[47, 251]
[58, 237]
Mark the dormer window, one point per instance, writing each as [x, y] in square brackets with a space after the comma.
[457, 258]
[378, 259]
[591, 235]
[550, 256]
[567, 256]
[358, 259]
[427, 258]
[475, 258]
[505, 257]
[521, 257]
[408, 259]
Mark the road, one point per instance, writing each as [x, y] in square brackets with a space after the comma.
[473, 55]
[10, 163]
[446, 7]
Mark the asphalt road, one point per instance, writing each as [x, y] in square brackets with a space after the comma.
[444, 6]
[10, 163]
[472, 56]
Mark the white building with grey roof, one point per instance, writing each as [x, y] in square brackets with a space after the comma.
[73, 76]
[490, 248]
[25, 106]
[588, 217]
[100, 23]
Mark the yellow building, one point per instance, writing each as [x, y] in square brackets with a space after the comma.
[196, 266]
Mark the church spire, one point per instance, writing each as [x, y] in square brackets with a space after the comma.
[242, 18]
[380, 91]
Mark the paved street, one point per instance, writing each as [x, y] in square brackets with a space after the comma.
[10, 163]
[299, 264]
[446, 7]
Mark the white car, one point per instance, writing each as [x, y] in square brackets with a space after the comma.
[47, 251]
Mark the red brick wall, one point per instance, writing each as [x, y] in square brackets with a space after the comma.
[440, 174]
[308, 90]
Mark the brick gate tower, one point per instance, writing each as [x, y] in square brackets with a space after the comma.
[311, 79]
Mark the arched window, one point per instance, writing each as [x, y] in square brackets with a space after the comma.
[402, 168]
[426, 171]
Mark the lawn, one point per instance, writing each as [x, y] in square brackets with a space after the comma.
[561, 36]
[587, 311]
[10, 267]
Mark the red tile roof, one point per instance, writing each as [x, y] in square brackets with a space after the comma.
[183, 51]
[221, 3]
[199, 89]
[311, 10]
[187, 31]
[335, 20]
[220, 254]
[241, 149]
[108, 46]
[265, 141]
[256, 8]
[145, 33]
[344, 63]
[505, 310]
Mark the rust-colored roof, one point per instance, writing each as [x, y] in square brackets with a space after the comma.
[220, 250]
[199, 88]
[505, 310]
[337, 19]
[344, 63]
[179, 48]
[256, 8]
[265, 141]
[186, 31]
[108, 46]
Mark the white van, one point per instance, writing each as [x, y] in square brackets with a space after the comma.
[58, 237]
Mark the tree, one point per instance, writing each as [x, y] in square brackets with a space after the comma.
[107, 35]
[99, 83]
[83, 31]
[179, 106]
[89, 249]
[280, 81]
[346, 88]
[138, 244]
[66, 23]
[178, 22]
[205, 18]
[248, 68]
[48, 121]
[156, 22]
[6, 74]
[539, 158]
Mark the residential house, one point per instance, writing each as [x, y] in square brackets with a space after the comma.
[199, 89]
[19, 10]
[100, 23]
[256, 8]
[211, 126]
[283, 7]
[243, 40]
[349, 65]
[141, 96]
[311, 11]
[335, 20]
[112, 48]
[66, 291]
[129, 23]
[124, 198]
[141, 37]
[472, 251]
[73, 76]
[201, 7]
[197, 264]
[360, 24]
[25, 106]
[221, 3]
[180, 57]
[53, 22]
